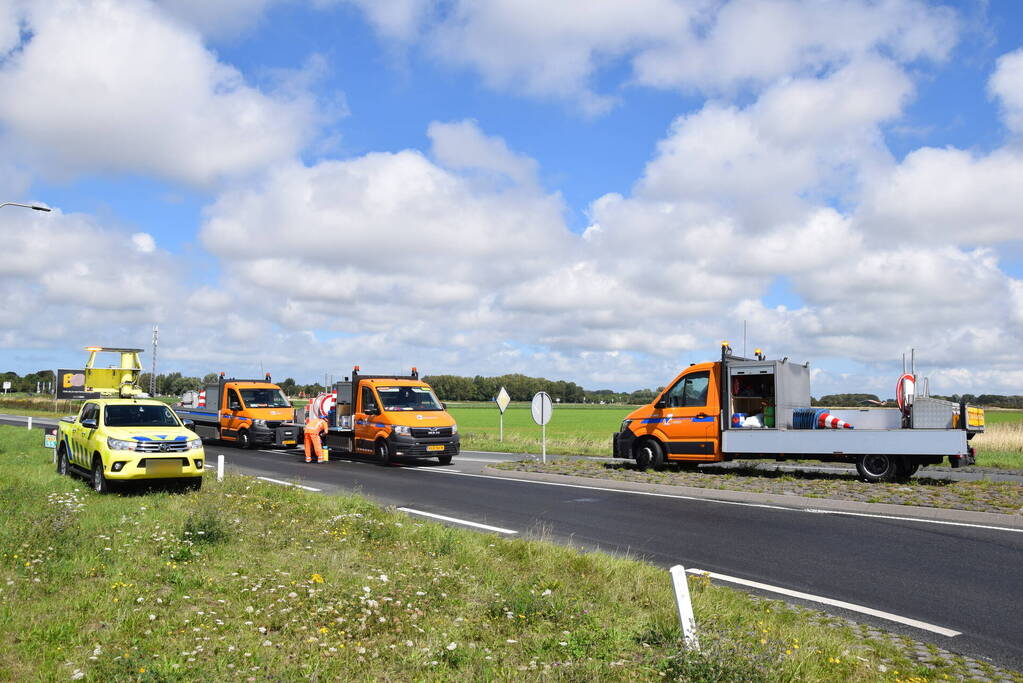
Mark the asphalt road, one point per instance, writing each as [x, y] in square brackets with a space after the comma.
[966, 579]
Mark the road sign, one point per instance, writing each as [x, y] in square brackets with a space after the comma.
[7, 386]
[542, 408]
[503, 399]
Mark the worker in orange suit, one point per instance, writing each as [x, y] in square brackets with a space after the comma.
[314, 427]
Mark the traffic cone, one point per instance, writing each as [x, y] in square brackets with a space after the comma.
[829, 421]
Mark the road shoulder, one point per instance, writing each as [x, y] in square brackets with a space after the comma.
[780, 500]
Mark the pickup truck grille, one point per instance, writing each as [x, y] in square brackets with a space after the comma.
[427, 432]
[161, 446]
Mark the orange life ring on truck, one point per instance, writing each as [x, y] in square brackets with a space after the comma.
[906, 386]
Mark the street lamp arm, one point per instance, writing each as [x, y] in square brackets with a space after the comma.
[27, 206]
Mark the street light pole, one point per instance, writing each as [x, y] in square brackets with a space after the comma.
[27, 206]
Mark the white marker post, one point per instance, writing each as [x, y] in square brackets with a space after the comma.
[542, 409]
[30, 422]
[685, 606]
[220, 467]
[502, 400]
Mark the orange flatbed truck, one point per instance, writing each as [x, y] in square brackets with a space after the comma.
[702, 417]
[390, 416]
[247, 412]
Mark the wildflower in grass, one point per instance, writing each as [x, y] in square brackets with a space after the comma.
[316, 578]
[452, 646]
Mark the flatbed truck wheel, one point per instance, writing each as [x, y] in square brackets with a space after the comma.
[244, 440]
[877, 467]
[444, 459]
[905, 468]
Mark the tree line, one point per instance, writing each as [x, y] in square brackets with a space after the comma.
[478, 388]
[522, 388]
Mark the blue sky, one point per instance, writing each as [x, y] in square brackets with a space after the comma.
[592, 193]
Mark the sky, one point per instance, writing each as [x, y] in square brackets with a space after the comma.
[593, 191]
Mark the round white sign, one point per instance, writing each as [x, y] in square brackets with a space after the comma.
[542, 408]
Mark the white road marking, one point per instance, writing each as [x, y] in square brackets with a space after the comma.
[940, 630]
[464, 459]
[288, 483]
[764, 506]
[459, 521]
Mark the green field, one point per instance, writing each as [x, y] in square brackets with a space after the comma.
[573, 429]
[247, 580]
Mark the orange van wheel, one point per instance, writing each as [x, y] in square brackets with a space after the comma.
[649, 453]
[383, 452]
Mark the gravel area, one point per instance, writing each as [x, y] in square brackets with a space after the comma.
[978, 496]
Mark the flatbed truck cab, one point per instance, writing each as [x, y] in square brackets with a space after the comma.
[391, 416]
[119, 440]
[701, 417]
[247, 412]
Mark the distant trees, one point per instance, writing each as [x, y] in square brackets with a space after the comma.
[846, 400]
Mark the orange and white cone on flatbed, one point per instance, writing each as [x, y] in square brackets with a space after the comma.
[829, 421]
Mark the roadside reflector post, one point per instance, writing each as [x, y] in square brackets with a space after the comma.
[220, 467]
[30, 422]
[685, 606]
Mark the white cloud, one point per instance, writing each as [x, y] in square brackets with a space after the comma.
[559, 50]
[143, 242]
[222, 18]
[1007, 85]
[754, 42]
[463, 145]
[947, 195]
[113, 85]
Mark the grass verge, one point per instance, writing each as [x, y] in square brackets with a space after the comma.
[248, 580]
[979, 496]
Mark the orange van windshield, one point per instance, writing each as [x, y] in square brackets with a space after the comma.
[408, 398]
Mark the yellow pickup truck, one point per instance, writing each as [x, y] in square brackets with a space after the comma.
[129, 439]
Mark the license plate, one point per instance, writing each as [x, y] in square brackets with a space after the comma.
[163, 466]
[288, 443]
[438, 447]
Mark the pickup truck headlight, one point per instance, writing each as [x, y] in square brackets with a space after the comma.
[119, 445]
[625, 425]
[195, 444]
[402, 430]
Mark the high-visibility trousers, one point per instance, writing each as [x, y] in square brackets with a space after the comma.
[312, 443]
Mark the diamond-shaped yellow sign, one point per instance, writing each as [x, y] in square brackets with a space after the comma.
[503, 399]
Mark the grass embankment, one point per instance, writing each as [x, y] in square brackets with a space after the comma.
[246, 579]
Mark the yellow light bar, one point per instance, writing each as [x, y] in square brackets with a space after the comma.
[93, 348]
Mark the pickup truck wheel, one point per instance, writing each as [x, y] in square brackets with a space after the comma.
[649, 453]
[876, 467]
[244, 440]
[62, 462]
[99, 482]
[444, 459]
[383, 452]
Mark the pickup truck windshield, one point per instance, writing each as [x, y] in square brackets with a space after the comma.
[265, 398]
[408, 398]
[139, 416]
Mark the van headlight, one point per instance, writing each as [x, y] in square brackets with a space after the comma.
[194, 444]
[120, 445]
[403, 430]
[625, 425]
[454, 429]
[259, 423]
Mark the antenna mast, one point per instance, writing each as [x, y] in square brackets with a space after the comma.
[152, 377]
